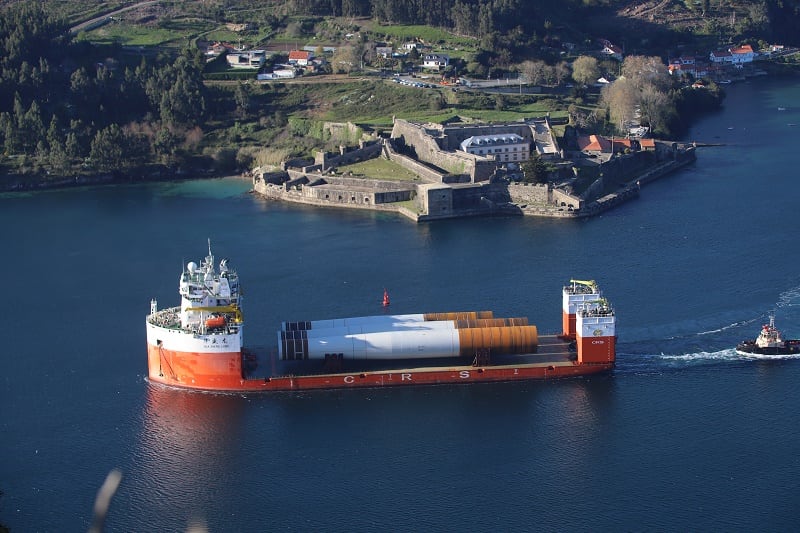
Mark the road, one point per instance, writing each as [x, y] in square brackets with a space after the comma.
[97, 21]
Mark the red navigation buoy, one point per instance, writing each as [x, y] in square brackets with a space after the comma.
[385, 298]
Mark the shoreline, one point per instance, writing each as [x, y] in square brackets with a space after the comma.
[15, 184]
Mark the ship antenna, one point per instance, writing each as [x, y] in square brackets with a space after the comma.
[209, 257]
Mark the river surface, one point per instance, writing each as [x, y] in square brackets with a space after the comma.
[683, 435]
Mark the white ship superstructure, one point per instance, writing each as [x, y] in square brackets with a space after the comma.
[206, 327]
[576, 295]
[596, 332]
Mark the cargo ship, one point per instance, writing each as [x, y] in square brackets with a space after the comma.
[199, 345]
[769, 342]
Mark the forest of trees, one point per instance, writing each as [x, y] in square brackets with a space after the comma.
[767, 19]
[60, 107]
[69, 106]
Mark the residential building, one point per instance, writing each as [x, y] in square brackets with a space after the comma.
[300, 57]
[597, 144]
[246, 59]
[612, 51]
[384, 51]
[688, 66]
[735, 55]
[435, 61]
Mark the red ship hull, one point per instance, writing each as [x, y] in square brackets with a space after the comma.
[198, 345]
[199, 372]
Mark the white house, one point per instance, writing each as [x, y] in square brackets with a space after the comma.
[743, 54]
[384, 51]
[502, 147]
[435, 61]
[300, 57]
[735, 55]
[612, 50]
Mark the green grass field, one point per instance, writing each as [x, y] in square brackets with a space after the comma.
[399, 34]
[128, 35]
[380, 169]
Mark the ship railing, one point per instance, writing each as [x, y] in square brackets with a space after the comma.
[597, 312]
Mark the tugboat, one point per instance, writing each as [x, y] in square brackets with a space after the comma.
[769, 342]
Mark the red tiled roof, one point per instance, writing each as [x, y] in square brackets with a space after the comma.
[598, 143]
[594, 143]
[299, 54]
[647, 143]
[745, 49]
[621, 144]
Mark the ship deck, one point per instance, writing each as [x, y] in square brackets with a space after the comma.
[553, 351]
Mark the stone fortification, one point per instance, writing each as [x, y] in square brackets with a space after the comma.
[332, 191]
[530, 194]
[438, 193]
[452, 136]
[423, 139]
[326, 160]
[425, 172]
[439, 144]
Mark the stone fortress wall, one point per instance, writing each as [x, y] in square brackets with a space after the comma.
[453, 184]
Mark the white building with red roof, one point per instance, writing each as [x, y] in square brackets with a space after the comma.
[735, 55]
[300, 57]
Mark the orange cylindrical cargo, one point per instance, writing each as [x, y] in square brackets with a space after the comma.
[502, 340]
[459, 315]
[490, 322]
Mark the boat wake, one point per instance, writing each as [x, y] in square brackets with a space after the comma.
[663, 362]
[726, 328]
[789, 298]
[705, 345]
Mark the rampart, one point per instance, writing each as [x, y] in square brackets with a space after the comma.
[333, 190]
[439, 144]
[366, 150]
[423, 171]
[424, 141]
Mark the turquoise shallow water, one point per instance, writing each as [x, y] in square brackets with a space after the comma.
[682, 435]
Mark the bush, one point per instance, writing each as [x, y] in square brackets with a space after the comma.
[225, 159]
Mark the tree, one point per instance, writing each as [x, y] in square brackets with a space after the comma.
[535, 169]
[107, 145]
[561, 72]
[535, 71]
[585, 70]
[241, 96]
[656, 107]
[165, 144]
[642, 70]
[620, 99]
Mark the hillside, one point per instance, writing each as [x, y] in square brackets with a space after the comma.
[67, 66]
[644, 25]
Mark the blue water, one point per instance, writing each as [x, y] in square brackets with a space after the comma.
[683, 435]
